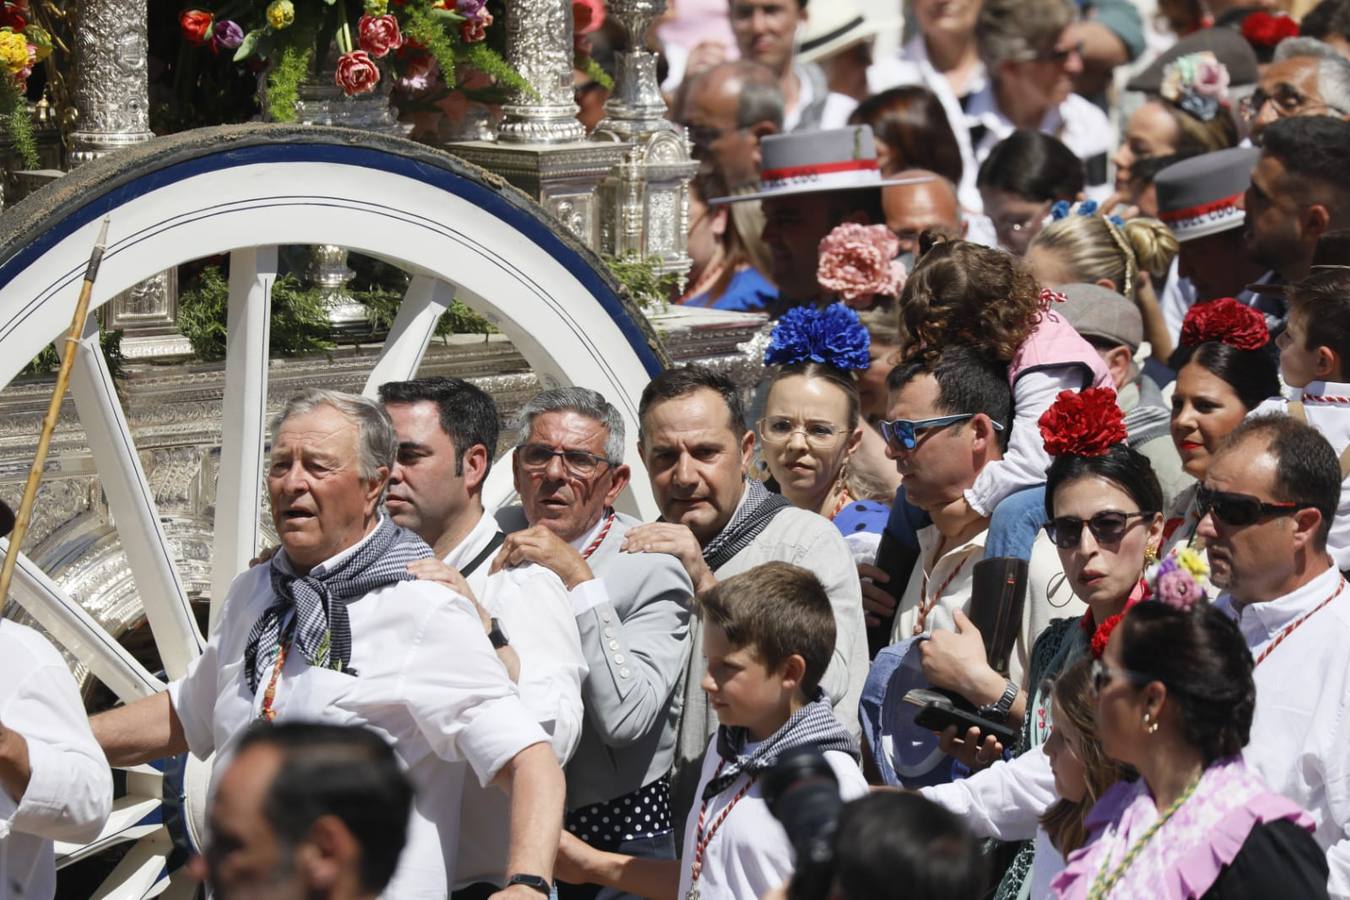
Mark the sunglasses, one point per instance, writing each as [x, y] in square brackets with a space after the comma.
[1239, 510]
[1102, 675]
[577, 462]
[903, 434]
[1107, 528]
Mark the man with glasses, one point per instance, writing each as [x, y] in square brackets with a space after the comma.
[720, 522]
[632, 611]
[1306, 78]
[447, 437]
[1299, 190]
[1267, 505]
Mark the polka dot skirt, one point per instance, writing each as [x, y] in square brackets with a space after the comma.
[642, 814]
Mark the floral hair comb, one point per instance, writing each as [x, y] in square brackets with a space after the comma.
[1083, 423]
[833, 336]
[1226, 321]
[1196, 82]
[858, 262]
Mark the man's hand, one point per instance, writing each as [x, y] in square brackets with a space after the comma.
[679, 542]
[956, 660]
[877, 604]
[437, 571]
[968, 750]
[543, 547]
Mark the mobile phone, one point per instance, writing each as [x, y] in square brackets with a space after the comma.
[937, 712]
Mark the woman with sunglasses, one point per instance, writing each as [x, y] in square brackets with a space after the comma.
[812, 426]
[1224, 371]
[1175, 699]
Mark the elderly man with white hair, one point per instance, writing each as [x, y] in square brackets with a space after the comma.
[1306, 78]
[335, 629]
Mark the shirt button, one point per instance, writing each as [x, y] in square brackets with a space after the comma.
[614, 645]
[619, 658]
[604, 617]
[624, 673]
[609, 632]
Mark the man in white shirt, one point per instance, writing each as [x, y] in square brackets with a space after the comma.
[54, 782]
[447, 436]
[1269, 499]
[765, 31]
[306, 812]
[632, 611]
[334, 629]
[719, 523]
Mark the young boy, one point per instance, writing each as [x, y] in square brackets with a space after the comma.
[1314, 351]
[768, 635]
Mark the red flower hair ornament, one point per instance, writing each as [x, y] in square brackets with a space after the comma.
[1083, 423]
[1263, 29]
[1226, 321]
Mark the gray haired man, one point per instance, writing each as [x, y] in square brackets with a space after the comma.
[632, 611]
[1306, 78]
[334, 629]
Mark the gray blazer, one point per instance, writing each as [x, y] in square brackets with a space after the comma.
[636, 644]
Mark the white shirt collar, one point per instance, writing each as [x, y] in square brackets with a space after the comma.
[334, 560]
[473, 542]
[1260, 621]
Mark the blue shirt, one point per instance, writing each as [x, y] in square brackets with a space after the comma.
[747, 291]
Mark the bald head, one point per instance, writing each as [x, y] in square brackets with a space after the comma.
[728, 108]
[912, 208]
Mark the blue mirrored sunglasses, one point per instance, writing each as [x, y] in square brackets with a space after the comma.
[902, 434]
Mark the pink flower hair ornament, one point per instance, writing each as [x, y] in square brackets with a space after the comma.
[858, 263]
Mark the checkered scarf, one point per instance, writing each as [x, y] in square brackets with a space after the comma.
[752, 517]
[320, 629]
[814, 725]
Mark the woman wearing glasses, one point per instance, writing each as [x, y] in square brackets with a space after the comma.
[812, 425]
[1175, 700]
[1224, 371]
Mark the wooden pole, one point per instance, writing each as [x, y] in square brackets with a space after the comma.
[49, 423]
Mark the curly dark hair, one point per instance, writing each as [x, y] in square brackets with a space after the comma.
[961, 293]
[1200, 656]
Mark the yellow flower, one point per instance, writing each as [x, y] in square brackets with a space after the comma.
[280, 14]
[13, 51]
[40, 39]
[376, 7]
[1193, 562]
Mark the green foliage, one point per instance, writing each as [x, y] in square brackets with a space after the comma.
[283, 83]
[299, 321]
[485, 60]
[47, 362]
[593, 71]
[642, 279]
[18, 124]
[429, 30]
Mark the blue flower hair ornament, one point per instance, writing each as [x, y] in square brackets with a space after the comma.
[833, 336]
[1062, 209]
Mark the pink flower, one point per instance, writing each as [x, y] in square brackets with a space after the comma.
[587, 15]
[474, 30]
[856, 263]
[1179, 589]
[379, 35]
[356, 73]
[1211, 77]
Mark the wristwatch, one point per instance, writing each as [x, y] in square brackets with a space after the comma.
[998, 711]
[531, 881]
[497, 634]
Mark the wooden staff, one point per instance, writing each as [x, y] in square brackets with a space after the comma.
[53, 410]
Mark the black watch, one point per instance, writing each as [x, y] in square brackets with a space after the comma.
[531, 881]
[497, 635]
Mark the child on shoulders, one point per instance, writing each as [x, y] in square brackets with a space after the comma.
[768, 635]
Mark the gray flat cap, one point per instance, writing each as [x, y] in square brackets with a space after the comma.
[1098, 312]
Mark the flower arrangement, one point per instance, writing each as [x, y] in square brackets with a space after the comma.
[405, 36]
[858, 262]
[1226, 321]
[1197, 83]
[1264, 29]
[1083, 423]
[1179, 580]
[833, 336]
[22, 46]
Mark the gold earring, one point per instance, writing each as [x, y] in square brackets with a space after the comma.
[1150, 556]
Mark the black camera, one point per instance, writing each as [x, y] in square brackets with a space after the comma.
[803, 794]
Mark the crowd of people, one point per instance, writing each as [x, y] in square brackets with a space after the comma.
[1025, 553]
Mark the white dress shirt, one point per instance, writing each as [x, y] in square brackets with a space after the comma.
[69, 794]
[1327, 407]
[429, 683]
[1300, 738]
[748, 854]
[533, 608]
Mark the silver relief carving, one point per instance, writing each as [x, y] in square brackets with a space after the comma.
[539, 47]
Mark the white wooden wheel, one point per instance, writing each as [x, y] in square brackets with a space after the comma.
[242, 191]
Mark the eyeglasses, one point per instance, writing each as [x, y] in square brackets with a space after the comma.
[1102, 675]
[903, 434]
[779, 430]
[705, 135]
[1288, 100]
[1107, 527]
[577, 462]
[1239, 510]
[1059, 55]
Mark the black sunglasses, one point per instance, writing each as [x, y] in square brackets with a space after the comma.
[1107, 528]
[1238, 510]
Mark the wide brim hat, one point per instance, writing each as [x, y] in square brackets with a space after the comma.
[1332, 252]
[813, 162]
[6, 519]
[1227, 44]
[1203, 195]
[836, 26]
